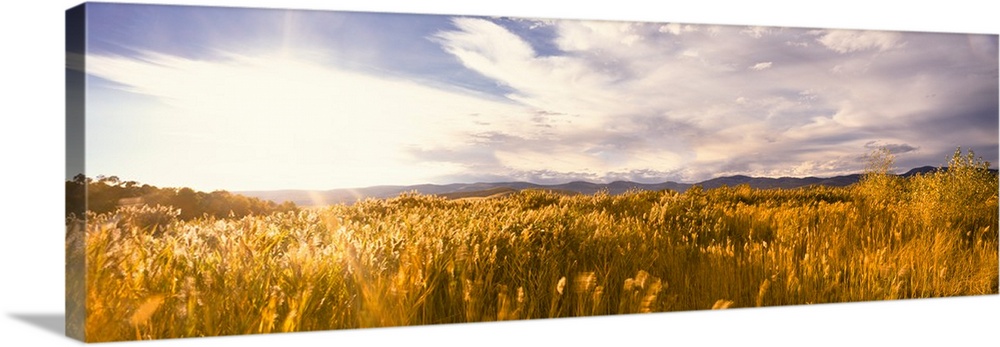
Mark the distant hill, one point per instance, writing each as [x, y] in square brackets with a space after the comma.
[488, 193]
[451, 191]
[782, 182]
[925, 170]
[492, 189]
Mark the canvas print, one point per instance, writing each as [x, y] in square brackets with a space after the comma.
[250, 171]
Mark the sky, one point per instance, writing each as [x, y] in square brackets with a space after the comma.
[255, 99]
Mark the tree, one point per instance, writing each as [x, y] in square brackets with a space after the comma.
[187, 200]
[105, 195]
[880, 162]
[879, 182]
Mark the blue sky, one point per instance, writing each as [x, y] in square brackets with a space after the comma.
[243, 99]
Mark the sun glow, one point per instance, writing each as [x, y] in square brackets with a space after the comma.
[318, 126]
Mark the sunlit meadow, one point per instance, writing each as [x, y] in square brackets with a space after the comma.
[418, 259]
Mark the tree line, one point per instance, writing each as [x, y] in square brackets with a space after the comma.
[104, 194]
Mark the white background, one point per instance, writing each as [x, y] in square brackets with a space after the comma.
[32, 166]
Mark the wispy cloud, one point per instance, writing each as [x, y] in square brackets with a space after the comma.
[846, 41]
[677, 28]
[897, 148]
[552, 101]
[693, 114]
[761, 66]
[756, 31]
[295, 121]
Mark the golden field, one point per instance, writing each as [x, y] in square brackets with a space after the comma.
[418, 259]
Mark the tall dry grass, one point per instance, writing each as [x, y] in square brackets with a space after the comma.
[420, 259]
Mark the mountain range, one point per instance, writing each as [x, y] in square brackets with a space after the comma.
[482, 189]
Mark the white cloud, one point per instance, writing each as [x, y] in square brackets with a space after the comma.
[761, 66]
[847, 41]
[596, 35]
[711, 115]
[556, 84]
[269, 114]
[756, 31]
[618, 100]
[677, 28]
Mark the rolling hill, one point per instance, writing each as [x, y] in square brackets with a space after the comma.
[488, 189]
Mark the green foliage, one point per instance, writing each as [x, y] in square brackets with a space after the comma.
[879, 183]
[962, 196]
[107, 194]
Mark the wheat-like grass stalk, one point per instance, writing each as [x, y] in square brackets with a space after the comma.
[419, 259]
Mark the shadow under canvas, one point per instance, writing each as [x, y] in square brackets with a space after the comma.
[51, 322]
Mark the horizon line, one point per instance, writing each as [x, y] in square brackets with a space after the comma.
[578, 181]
